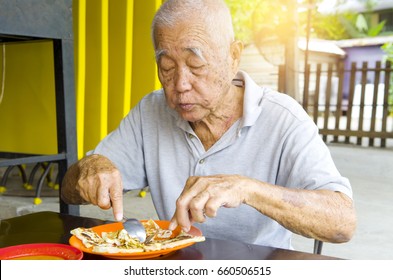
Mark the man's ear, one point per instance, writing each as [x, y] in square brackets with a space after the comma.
[236, 52]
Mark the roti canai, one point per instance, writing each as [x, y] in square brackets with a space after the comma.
[121, 242]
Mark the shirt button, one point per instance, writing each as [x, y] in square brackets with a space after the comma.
[202, 161]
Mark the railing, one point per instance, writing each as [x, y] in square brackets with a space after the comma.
[351, 105]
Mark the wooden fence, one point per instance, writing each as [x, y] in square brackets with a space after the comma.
[349, 105]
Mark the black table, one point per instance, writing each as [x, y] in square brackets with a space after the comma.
[52, 227]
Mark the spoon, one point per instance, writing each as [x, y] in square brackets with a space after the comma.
[135, 229]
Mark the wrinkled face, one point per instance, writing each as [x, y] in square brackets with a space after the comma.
[194, 72]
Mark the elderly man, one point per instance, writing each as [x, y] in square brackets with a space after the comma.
[240, 161]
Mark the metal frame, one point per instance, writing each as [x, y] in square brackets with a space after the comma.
[317, 247]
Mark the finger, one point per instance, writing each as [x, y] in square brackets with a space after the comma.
[103, 198]
[182, 216]
[197, 207]
[116, 197]
[212, 206]
[173, 223]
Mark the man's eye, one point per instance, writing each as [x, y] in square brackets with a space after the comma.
[167, 70]
[197, 69]
[166, 65]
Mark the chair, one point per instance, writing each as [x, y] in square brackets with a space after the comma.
[317, 247]
[26, 21]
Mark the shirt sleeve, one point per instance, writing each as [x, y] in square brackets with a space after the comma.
[307, 163]
[123, 147]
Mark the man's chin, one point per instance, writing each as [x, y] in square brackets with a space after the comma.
[189, 117]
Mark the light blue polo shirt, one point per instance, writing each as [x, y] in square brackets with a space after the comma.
[275, 141]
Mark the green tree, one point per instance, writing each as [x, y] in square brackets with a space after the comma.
[256, 18]
[253, 19]
[242, 18]
[327, 27]
[346, 25]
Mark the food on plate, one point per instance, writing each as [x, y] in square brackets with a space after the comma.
[120, 241]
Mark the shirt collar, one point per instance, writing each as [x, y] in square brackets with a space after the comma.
[252, 103]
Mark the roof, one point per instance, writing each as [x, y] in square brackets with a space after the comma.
[363, 42]
[332, 6]
[322, 46]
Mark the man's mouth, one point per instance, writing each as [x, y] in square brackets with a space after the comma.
[186, 106]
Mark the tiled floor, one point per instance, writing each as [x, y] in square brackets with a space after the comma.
[370, 171]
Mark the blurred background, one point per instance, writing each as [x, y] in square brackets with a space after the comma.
[115, 66]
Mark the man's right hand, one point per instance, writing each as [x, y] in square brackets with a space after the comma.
[96, 180]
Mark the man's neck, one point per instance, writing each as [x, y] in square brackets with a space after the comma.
[211, 129]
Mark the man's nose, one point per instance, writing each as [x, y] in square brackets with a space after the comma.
[183, 80]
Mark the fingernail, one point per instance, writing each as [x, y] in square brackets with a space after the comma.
[119, 217]
[185, 229]
[171, 226]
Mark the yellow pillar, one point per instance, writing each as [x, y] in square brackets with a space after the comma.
[96, 87]
[144, 77]
[120, 60]
[79, 16]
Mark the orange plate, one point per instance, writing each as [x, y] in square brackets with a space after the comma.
[41, 251]
[74, 241]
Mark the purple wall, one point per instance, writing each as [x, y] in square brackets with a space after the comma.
[371, 54]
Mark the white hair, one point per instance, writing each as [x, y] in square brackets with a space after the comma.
[214, 13]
